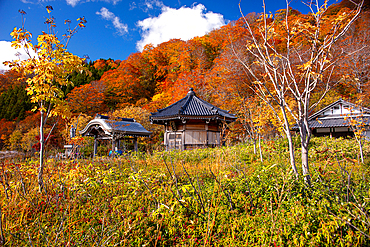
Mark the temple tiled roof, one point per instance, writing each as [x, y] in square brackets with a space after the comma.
[192, 107]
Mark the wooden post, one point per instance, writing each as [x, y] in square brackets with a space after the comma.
[95, 147]
[113, 144]
[135, 144]
[206, 128]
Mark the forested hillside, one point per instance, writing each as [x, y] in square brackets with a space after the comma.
[211, 64]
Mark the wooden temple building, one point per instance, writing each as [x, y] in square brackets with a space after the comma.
[103, 128]
[192, 123]
[334, 120]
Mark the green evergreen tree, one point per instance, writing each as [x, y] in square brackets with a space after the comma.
[14, 103]
[79, 79]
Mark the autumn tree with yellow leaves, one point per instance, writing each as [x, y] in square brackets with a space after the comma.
[49, 65]
[290, 58]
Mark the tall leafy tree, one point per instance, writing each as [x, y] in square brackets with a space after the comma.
[50, 64]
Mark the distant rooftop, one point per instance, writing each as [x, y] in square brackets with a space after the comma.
[335, 114]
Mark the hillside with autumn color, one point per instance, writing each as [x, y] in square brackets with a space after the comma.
[159, 76]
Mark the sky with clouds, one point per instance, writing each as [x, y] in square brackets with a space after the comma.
[117, 28]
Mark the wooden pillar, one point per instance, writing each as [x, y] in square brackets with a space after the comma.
[135, 144]
[183, 135]
[95, 146]
[113, 145]
[206, 128]
[166, 140]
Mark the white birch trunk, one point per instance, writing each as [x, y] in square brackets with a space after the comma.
[42, 147]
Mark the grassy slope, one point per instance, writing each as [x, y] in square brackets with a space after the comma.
[213, 197]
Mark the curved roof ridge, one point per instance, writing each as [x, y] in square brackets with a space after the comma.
[189, 98]
[191, 106]
[99, 121]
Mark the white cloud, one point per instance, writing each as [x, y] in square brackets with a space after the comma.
[146, 5]
[75, 2]
[184, 23]
[150, 4]
[72, 2]
[8, 53]
[118, 25]
[132, 6]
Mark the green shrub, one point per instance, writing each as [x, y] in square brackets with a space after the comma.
[206, 197]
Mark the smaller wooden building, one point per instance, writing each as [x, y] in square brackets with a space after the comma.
[334, 120]
[192, 123]
[103, 128]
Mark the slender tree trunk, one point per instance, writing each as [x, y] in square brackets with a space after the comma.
[260, 149]
[290, 141]
[254, 146]
[305, 140]
[305, 166]
[291, 152]
[41, 167]
[360, 148]
[2, 238]
[361, 153]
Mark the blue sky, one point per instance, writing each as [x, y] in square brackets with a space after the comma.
[117, 28]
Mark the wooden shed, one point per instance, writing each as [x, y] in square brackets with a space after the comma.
[334, 120]
[103, 128]
[192, 123]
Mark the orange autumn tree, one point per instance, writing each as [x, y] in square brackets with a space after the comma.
[6, 129]
[133, 80]
[49, 63]
[184, 64]
[88, 98]
[10, 78]
[172, 60]
[354, 72]
[101, 63]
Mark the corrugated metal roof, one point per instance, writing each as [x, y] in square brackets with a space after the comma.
[320, 120]
[331, 123]
[129, 128]
[191, 106]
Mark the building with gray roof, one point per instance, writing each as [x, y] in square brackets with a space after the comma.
[338, 120]
[104, 128]
[192, 123]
